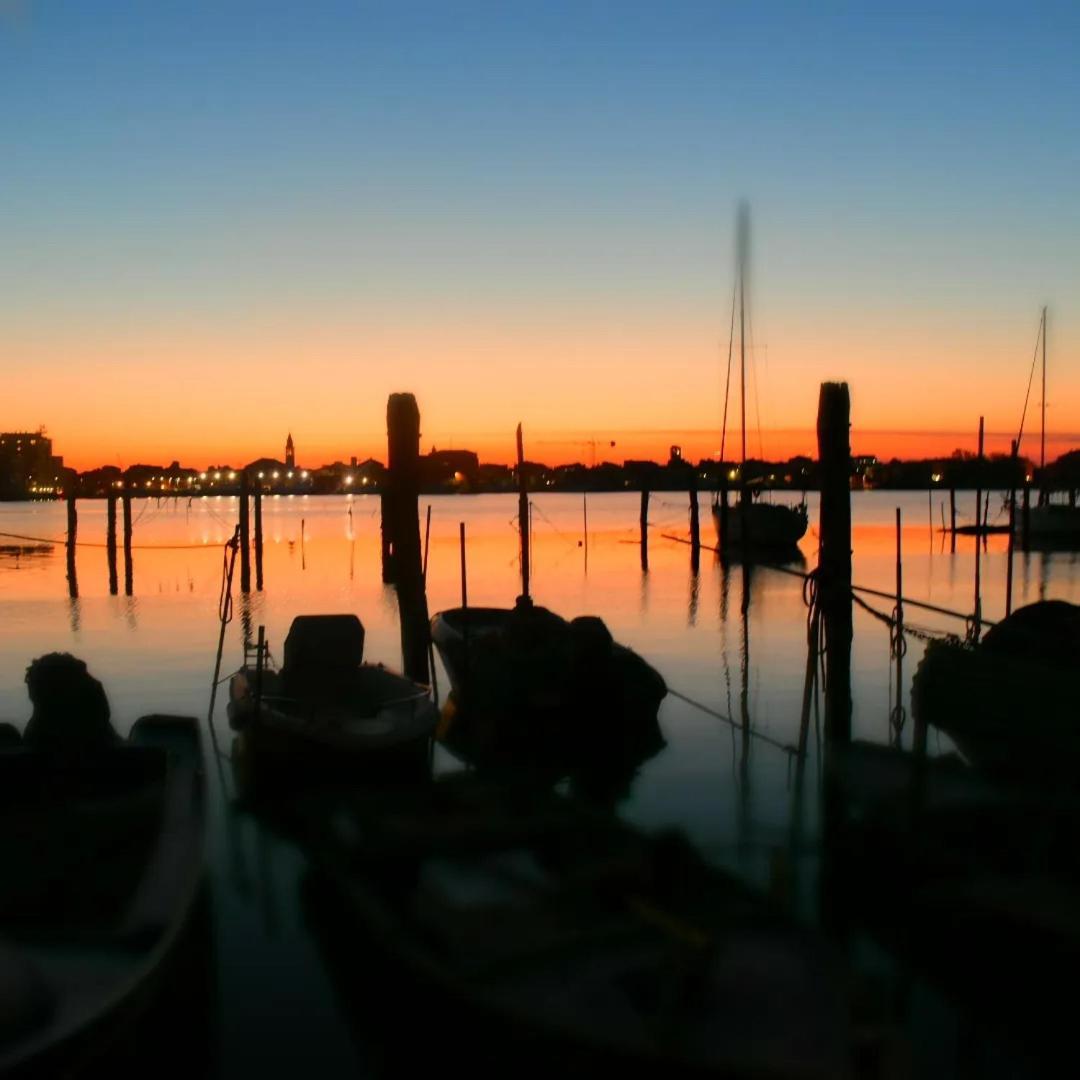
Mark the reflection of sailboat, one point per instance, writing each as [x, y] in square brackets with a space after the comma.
[1049, 525]
[752, 525]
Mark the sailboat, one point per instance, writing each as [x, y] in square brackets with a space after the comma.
[752, 525]
[1049, 525]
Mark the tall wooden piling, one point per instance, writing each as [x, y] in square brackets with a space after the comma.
[643, 522]
[952, 519]
[1012, 530]
[258, 538]
[834, 558]
[129, 569]
[523, 516]
[976, 627]
[72, 535]
[402, 519]
[464, 575]
[245, 538]
[110, 541]
[695, 526]
[898, 646]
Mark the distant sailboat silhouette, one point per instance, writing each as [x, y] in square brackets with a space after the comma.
[752, 526]
[1050, 525]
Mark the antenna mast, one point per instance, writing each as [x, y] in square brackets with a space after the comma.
[1042, 446]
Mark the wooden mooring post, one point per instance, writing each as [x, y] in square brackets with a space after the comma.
[834, 558]
[643, 522]
[976, 627]
[898, 647]
[524, 524]
[72, 535]
[952, 519]
[258, 538]
[110, 541]
[401, 518]
[129, 568]
[1012, 530]
[245, 538]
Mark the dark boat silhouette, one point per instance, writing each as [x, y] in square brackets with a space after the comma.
[1012, 702]
[102, 856]
[327, 713]
[530, 686]
[557, 938]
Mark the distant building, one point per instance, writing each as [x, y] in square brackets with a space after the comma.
[161, 480]
[278, 477]
[290, 453]
[361, 477]
[449, 470]
[28, 467]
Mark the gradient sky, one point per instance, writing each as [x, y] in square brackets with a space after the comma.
[221, 221]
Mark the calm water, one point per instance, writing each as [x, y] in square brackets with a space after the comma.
[155, 653]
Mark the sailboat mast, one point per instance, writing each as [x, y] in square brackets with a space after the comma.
[743, 241]
[1042, 446]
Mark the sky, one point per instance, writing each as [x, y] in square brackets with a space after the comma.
[220, 222]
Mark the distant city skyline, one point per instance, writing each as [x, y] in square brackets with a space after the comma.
[556, 449]
[225, 223]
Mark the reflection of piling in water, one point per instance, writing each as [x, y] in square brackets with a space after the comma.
[834, 558]
[1025, 518]
[401, 527]
[110, 540]
[258, 539]
[245, 539]
[72, 533]
[129, 570]
[695, 526]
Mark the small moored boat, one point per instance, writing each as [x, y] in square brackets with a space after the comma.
[531, 685]
[326, 712]
[560, 939]
[102, 855]
[1012, 702]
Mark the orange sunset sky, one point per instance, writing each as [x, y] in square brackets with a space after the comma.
[224, 225]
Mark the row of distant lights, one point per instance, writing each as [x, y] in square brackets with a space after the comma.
[274, 475]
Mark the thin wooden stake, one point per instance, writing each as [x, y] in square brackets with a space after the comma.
[644, 526]
[464, 576]
[976, 628]
[523, 516]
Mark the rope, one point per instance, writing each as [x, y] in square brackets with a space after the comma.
[709, 711]
[90, 544]
[1031, 379]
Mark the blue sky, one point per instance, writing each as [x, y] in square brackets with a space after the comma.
[912, 172]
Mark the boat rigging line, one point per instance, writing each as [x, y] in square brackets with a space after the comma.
[924, 605]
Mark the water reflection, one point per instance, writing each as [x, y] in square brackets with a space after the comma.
[155, 653]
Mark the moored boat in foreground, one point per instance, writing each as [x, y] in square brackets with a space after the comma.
[327, 713]
[529, 684]
[102, 855]
[1012, 702]
[559, 938]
